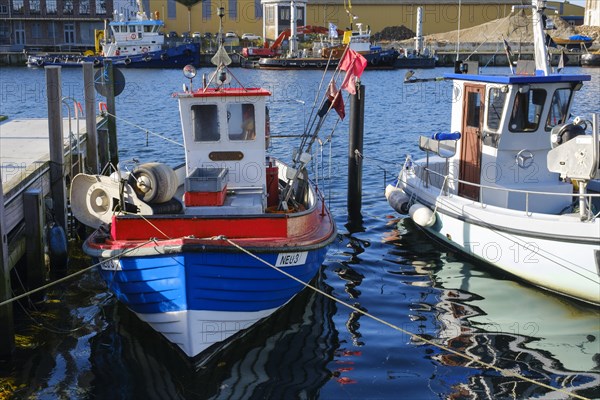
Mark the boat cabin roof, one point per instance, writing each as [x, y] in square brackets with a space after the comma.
[225, 92]
[137, 22]
[519, 79]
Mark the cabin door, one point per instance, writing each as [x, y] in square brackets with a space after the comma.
[470, 149]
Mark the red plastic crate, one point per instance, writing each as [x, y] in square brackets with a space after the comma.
[196, 199]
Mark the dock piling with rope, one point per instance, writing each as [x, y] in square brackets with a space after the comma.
[37, 158]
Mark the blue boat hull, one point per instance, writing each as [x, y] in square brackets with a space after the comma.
[199, 299]
[171, 57]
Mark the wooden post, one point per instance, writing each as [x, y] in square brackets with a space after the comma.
[355, 149]
[111, 109]
[103, 154]
[7, 330]
[91, 144]
[57, 146]
[34, 233]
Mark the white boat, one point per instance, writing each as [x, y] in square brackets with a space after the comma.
[508, 185]
[136, 42]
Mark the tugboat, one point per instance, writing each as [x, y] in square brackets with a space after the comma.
[508, 184]
[204, 251]
[132, 43]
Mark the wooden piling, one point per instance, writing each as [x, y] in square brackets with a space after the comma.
[34, 235]
[111, 109]
[91, 144]
[103, 151]
[55, 130]
[7, 332]
[355, 149]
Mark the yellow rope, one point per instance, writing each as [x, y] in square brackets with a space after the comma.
[504, 372]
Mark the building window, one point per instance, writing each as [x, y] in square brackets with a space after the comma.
[284, 13]
[36, 30]
[206, 10]
[258, 9]
[172, 9]
[69, 33]
[270, 10]
[68, 7]
[51, 6]
[18, 6]
[100, 6]
[3, 9]
[52, 31]
[232, 9]
[84, 6]
[34, 6]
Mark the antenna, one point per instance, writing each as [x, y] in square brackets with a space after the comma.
[458, 38]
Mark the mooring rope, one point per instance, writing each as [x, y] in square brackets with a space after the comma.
[504, 372]
[147, 131]
[66, 278]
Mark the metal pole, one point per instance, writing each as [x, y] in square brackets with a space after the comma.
[7, 333]
[355, 149]
[57, 145]
[113, 146]
[91, 144]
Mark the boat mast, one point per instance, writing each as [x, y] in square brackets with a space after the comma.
[293, 30]
[542, 65]
[419, 37]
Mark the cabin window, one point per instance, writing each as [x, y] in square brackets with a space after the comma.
[559, 107]
[474, 110]
[496, 100]
[241, 123]
[205, 121]
[527, 110]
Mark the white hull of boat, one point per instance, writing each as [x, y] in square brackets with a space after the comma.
[195, 331]
[559, 253]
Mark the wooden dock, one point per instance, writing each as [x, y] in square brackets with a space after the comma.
[38, 157]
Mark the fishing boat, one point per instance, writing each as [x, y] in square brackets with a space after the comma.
[508, 184]
[131, 43]
[204, 251]
[323, 54]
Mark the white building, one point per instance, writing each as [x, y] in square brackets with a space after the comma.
[592, 13]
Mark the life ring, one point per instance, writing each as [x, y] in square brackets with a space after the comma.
[118, 52]
[127, 61]
[147, 58]
[284, 64]
[144, 49]
[133, 36]
[319, 65]
[164, 56]
[96, 62]
[303, 64]
[39, 62]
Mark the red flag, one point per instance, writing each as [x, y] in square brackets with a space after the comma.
[335, 96]
[354, 64]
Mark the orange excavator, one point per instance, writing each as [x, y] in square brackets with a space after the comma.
[275, 48]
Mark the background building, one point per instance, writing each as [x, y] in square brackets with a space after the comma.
[65, 24]
[592, 13]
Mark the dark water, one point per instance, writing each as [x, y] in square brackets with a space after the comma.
[80, 344]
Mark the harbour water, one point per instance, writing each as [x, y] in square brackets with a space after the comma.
[80, 344]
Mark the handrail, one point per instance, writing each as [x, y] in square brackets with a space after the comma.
[446, 178]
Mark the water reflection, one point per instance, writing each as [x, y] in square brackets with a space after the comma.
[514, 327]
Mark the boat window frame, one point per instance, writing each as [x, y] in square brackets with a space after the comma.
[567, 107]
[202, 132]
[243, 127]
[490, 107]
[527, 125]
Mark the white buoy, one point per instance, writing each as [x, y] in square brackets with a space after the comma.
[397, 199]
[422, 215]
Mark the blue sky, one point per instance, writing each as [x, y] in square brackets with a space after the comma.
[578, 2]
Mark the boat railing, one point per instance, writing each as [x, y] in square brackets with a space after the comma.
[443, 179]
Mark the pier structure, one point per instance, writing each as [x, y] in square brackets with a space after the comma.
[37, 159]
